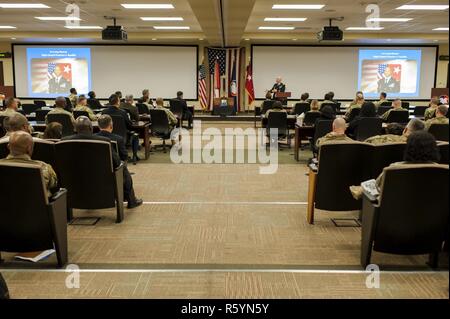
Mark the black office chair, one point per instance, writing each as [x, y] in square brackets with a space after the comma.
[439, 131]
[443, 149]
[278, 120]
[4, 151]
[142, 108]
[2, 127]
[29, 108]
[405, 105]
[44, 150]
[419, 111]
[353, 113]
[400, 222]
[77, 114]
[64, 120]
[323, 127]
[335, 106]
[176, 107]
[300, 108]
[384, 108]
[398, 117]
[368, 127]
[384, 155]
[40, 103]
[160, 126]
[310, 118]
[101, 188]
[94, 104]
[267, 105]
[37, 223]
[69, 105]
[41, 114]
[386, 103]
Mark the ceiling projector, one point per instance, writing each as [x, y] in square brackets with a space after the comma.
[114, 32]
[330, 33]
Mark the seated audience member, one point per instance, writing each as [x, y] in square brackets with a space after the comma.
[73, 97]
[383, 98]
[105, 124]
[396, 133]
[53, 131]
[304, 98]
[60, 105]
[326, 113]
[430, 111]
[268, 98]
[93, 103]
[128, 106]
[82, 106]
[187, 115]
[367, 110]
[145, 99]
[170, 116]
[356, 104]
[14, 123]
[421, 148]
[396, 107]
[337, 135]
[20, 151]
[119, 94]
[440, 118]
[84, 131]
[11, 107]
[314, 106]
[331, 96]
[276, 107]
[327, 100]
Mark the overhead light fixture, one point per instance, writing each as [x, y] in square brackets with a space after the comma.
[147, 6]
[7, 27]
[294, 39]
[201, 39]
[285, 19]
[276, 28]
[162, 18]
[364, 28]
[247, 39]
[389, 19]
[23, 6]
[58, 18]
[423, 7]
[154, 39]
[441, 29]
[170, 28]
[83, 27]
[13, 38]
[298, 6]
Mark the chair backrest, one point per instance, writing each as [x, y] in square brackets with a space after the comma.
[405, 105]
[68, 103]
[310, 118]
[340, 166]
[439, 131]
[384, 155]
[44, 150]
[419, 111]
[277, 120]
[76, 114]
[2, 128]
[64, 120]
[24, 224]
[443, 149]
[384, 108]
[323, 127]
[41, 114]
[40, 103]
[368, 127]
[398, 117]
[160, 122]
[353, 113]
[142, 108]
[119, 126]
[302, 107]
[4, 151]
[412, 219]
[92, 104]
[267, 105]
[336, 106]
[29, 108]
[386, 103]
[176, 107]
[85, 169]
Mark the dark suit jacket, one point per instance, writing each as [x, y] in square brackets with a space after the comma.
[112, 110]
[94, 104]
[392, 86]
[184, 104]
[123, 154]
[115, 156]
[279, 87]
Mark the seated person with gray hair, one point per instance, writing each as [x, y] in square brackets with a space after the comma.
[14, 123]
[130, 108]
[396, 133]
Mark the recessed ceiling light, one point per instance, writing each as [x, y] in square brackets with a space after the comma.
[147, 6]
[58, 18]
[162, 18]
[423, 7]
[83, 27]
[23, 6]
[247, 39]
[435, 40]
[201, 39]
[154, 39]
[389, 19]
[364, 28]
[285, 19]
[298, 6]
[170, 28]
[294, 39]
[13, 38]
[276, 28]
[7, 27]
[441, 29]
[389, 40]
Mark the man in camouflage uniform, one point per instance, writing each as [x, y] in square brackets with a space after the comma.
[60, 104]
[393, 135]
[337, 135]
[82, 106]
[440, 118]
[396, 107]
[11, 107]
[20, 151]
[14, 123]
[430, 111]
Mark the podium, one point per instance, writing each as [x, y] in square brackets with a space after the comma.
[282, 97]
[223, 106]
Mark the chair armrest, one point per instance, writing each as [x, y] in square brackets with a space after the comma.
[315, 161]
[120, 167]
[61, 192]
[313, 167]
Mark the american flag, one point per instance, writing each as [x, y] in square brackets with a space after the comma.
[202, 86]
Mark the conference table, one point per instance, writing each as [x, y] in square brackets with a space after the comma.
[141, 127]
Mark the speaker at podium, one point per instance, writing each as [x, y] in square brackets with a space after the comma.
[282, 97]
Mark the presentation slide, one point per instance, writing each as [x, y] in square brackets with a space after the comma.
[47, 71]
[390, 71]
[53, 71]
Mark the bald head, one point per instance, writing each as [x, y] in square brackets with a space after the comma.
[17, 122]
[279, 79]
[441, 110]
[83, 125]
[20, 143]
[60, 101]
[339, 126]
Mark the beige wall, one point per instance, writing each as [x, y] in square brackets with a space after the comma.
[7, 64]
[441, 76]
